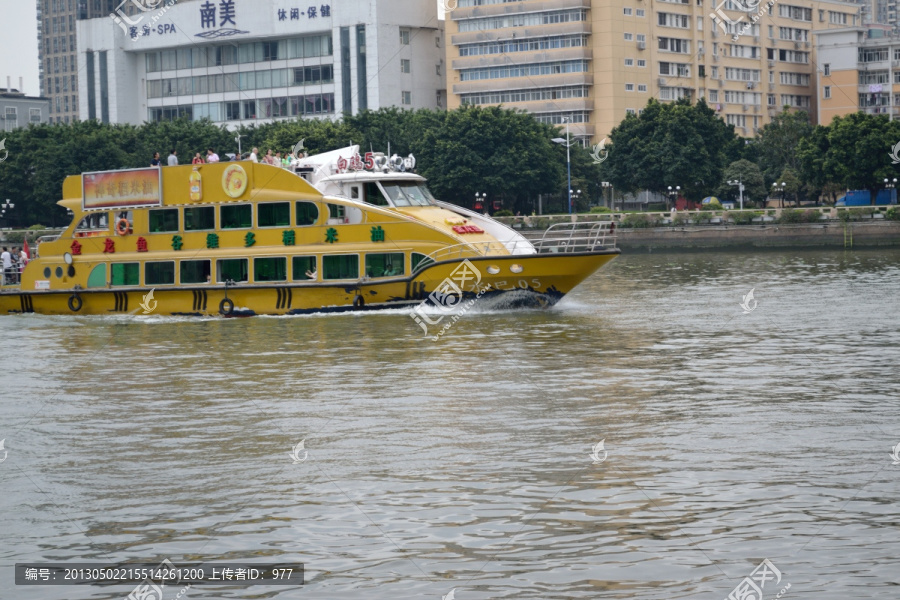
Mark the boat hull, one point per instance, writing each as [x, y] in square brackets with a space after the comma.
[538, 280]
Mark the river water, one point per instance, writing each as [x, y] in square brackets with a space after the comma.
[465, 464]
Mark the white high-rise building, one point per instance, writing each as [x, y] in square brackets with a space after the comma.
[244, 61]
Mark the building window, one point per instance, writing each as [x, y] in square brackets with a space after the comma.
[641, 37]
[642, 62]
[406, 97]
[827, 92]
[629, 62]
[639, 12]
[642, 87]
[629, 37]
[629, 111]
[629, 87]
[35, 115]
[404, 65]
[826, 69]
[627, 11]
[404, 37]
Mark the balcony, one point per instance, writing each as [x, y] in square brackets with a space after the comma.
[532, 31]
[515, 8]
[519, 83]
[559, 105]
[520, 58]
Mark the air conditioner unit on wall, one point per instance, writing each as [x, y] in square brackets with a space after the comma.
[661, 81]
[641, 45]
[750, 85]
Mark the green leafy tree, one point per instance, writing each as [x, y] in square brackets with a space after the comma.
[671, 144]
[749, 174]
[776, 144]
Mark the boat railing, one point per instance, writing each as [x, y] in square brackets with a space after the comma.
[577, 237]
[477, 249]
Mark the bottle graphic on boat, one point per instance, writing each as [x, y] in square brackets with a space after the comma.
[196, 188]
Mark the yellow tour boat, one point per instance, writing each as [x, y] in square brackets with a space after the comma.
[337, 232]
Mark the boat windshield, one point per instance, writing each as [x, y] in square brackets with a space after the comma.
[408, 194]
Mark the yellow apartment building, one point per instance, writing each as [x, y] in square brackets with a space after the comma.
[858, 70]
[590, 62]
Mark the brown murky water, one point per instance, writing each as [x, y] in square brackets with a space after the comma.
[466, 463]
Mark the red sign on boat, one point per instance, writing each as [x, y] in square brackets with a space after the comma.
[467, 229]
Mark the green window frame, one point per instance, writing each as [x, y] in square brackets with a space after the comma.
[199, 218]
[385, 264]
[97, 278]
[270, 268]
[236, 269]
[340, 266]
[337, 211]
[195, 271]
[300, 265]
[419, 261]
[159, 273]
[125, 273]
[307, 213]
[164, 220]
[273, 214]
[236, 216]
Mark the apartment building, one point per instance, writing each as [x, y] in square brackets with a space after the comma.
[858, 70]
[591, 62]
[18, 109]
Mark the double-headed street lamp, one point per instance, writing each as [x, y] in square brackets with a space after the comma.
[567, 144]
[3, 207]
[674, 193]
[481, 202]
[776, 188]
[740, 185]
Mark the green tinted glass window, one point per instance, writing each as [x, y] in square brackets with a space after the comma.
[125, 273]
[159, 273]
[97, 278]
[199, 218]
[238, 216]
[270, 269]
[234, 269]
[384, 265]
[164, 220]
[304, 268]
[343, 266]
[195, 271]
[307, 213]
[419, 260]
[273, 214]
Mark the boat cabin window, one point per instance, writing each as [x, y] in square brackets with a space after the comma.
[354, 191]
[419, 261]
[304, 268]
[273, 214]
[125, 273]
[340, 266]
[97, 278]
[237, 216]
[374, 195]
[307, 213]
[408, 194]
[199, 218]
[337, 214]
[159, 273]
[164, 220]
[235, 269]
[384, 265]
[270, 269]
[93, 222]
[195, 271]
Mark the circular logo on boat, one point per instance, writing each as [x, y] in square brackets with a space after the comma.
[234, 181]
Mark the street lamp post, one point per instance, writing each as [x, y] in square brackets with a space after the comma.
[481, 199]
[568, 145]
[3, 208]
[674, 193]
[776, 188]
[890, 185]
[237, 138]
[740, 184]
[574, 195]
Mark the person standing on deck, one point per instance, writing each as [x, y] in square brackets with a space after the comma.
[173, 158]
[155, 162]
[211, 157]
[6, 261]
[198, 160]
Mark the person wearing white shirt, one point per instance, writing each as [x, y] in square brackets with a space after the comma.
[6, 260]
[254, 156]
[173, 159]
[211, 157]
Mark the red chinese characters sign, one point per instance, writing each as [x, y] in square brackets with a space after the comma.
[122, 189]
[467, 229]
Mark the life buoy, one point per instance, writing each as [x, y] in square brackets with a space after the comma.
[75, 302]
[359, 302]
[122, 226]
[226, 306]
